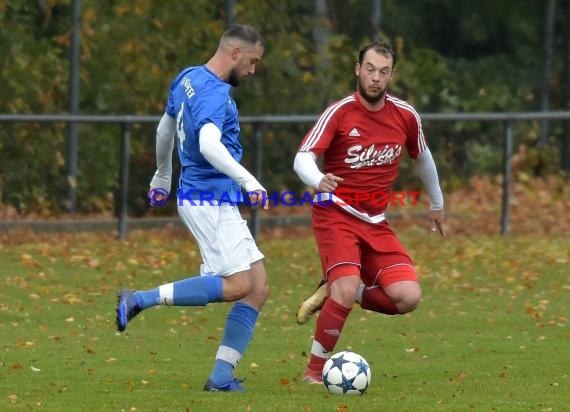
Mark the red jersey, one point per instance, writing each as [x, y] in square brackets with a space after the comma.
[365, 147]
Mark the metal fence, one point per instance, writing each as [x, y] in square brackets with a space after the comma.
[127, 121]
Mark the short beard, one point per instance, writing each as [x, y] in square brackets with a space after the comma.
[233, 79]
[370, 99]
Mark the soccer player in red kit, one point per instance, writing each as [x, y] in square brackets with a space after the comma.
[362, 139]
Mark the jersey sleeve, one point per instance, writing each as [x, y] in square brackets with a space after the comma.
[170, 109]
[318, 139]
[415, 142]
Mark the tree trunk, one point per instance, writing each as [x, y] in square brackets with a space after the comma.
[550, 7]
[321, 34]
[565, 150]
[375, 18]
[230, 9]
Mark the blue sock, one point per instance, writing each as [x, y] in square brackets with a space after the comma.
[238, 332]
[194, 291]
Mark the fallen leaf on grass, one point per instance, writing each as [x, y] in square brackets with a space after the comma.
[70, 299]
[460, 376]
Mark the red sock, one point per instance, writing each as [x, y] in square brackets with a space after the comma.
[375, 299]
[329, 325]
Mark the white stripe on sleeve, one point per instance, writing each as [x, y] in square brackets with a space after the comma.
[422, 145]
[322, 122]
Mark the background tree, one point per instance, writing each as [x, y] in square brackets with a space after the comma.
[454, 57]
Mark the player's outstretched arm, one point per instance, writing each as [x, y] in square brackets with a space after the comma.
[305, 166]
[218, 156]
[165, 133]
[425, 167]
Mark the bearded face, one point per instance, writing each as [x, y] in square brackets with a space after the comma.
[246, 60]
[374, 76]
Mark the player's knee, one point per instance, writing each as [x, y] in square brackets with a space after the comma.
[343, 290]
[406, 295]
[408, 299]
[237, 286]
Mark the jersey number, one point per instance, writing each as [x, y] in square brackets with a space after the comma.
[180, 126]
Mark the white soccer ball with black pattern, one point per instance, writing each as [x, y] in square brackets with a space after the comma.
[346, 373]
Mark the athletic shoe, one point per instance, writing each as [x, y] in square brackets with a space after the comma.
[313, 304]
[127, 308]
[313, 377]
[231, 386]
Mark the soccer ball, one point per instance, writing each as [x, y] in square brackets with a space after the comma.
[346, 373]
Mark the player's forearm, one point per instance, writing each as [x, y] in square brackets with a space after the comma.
[305, 166]
[218, 156]
[164, 144]
[425, 167]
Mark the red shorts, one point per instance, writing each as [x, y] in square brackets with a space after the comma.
[350, 246]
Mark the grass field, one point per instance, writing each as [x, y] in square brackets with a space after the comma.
[491, 333]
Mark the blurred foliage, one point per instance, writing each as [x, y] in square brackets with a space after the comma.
[453, 57]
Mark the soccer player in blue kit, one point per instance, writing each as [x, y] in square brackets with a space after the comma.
[201, 118]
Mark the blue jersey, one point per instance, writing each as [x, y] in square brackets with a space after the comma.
[197, 97]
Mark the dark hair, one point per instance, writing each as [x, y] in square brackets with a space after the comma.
[244, 33]
[382, 47]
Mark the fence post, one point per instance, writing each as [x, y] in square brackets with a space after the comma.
[257, 162]
[124, 180]
[507, 177]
